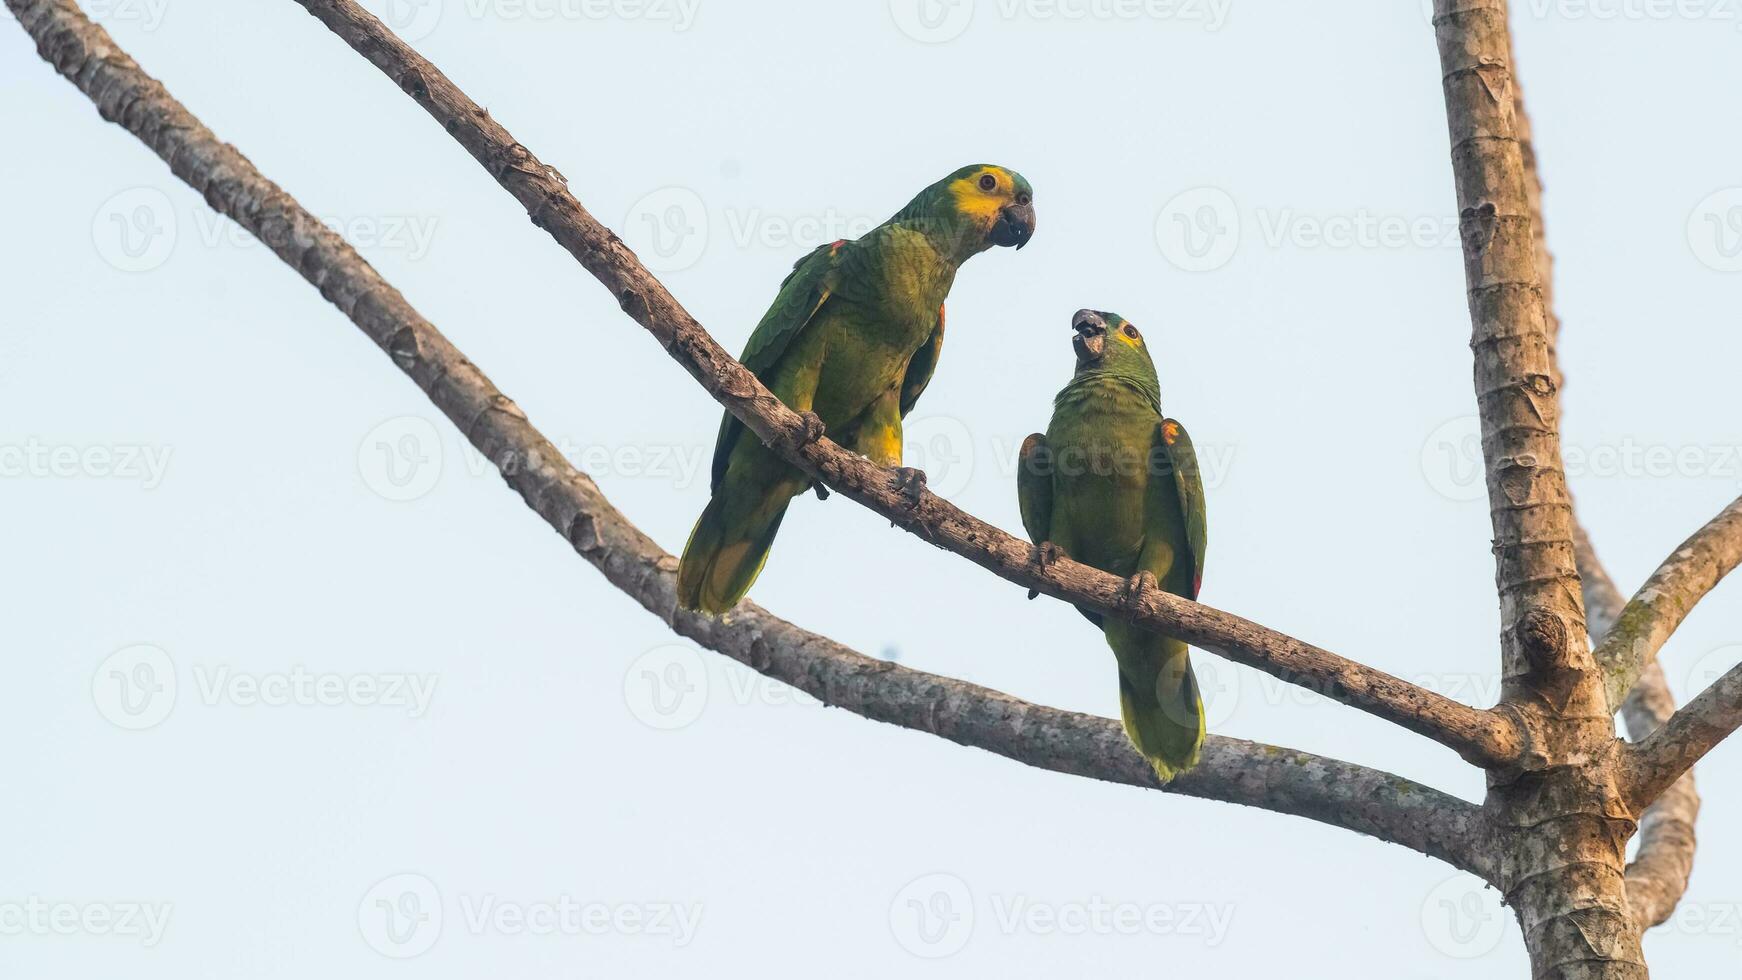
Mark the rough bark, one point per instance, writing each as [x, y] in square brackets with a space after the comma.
[1233, 770]
[1658, 876]
[1666, 598]
[1682, 740]
[1561, 823]
[1479, 736]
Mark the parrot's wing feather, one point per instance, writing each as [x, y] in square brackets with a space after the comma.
[1188, 482]
[920, 368]
[1034, 488]
[802, 293]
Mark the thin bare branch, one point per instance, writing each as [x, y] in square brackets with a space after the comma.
[1657, 762]
[1480, 736]
[1695, 568]
[1282, 780]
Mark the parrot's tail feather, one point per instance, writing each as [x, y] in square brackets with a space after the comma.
[723, 556]
[1162, 709]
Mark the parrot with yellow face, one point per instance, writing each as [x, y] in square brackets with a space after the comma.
[1114, 484]
[853, 336]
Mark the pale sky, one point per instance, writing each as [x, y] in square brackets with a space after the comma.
[291, 666]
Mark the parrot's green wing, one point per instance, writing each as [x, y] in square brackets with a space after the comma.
[1189, 484]
[1034, 488]
[802, 294]
[919, 370]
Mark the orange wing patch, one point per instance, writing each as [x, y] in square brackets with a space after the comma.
[1170, 431]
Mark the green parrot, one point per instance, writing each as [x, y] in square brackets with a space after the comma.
[1114, 484]
[853, 336]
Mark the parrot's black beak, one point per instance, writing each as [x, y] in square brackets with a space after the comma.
[1015, 225]
[1091, 338]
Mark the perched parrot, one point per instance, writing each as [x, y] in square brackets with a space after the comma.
[853, 336]
[1114, 484]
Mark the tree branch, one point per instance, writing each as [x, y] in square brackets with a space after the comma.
[1479, 736]
[1657, 762]
[1666, 598]
[1658, 876]
[1516, 392]
[1282, 780]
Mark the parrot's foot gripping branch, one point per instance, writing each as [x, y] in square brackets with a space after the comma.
[1136, 586]
[1045, 554]
[811, 429]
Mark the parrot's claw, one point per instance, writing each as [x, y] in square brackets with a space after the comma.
[811, 429]
[1045, 554]
[822, 492]
[1136, 585]
[911, 483]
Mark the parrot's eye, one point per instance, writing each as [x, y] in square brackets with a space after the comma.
[1131, 331]
[988, 182]
[1022, 199]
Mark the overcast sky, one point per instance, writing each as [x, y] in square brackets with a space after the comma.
[298, 688]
